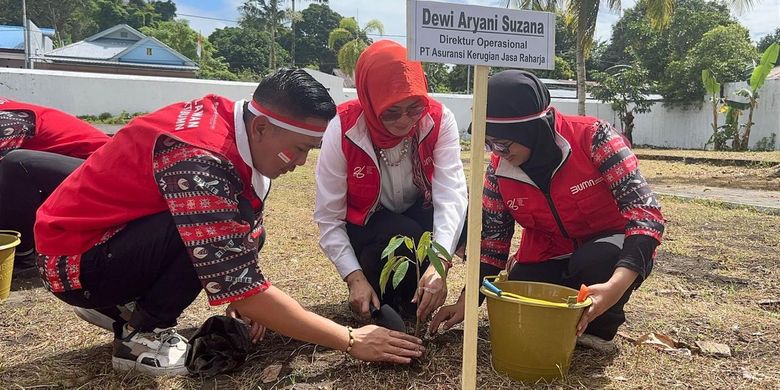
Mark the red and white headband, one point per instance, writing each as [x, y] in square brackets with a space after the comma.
[519, 119]
[285, 122]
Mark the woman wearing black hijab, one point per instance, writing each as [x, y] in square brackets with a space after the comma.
[572, 184]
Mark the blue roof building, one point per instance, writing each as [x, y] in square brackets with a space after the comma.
[12, 44]
[121, 49]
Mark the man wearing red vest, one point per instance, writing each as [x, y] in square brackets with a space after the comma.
[588, 215]
[390, 165]
[172, 205]
[33, 137]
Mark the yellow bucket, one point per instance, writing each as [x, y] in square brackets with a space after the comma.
[532, 340]
[9, 239]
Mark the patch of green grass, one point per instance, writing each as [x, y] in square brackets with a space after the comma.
[109, 119]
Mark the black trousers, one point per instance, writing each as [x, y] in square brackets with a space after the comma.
[370, 240]
[592, 263]
[27, 178]
[145, 262]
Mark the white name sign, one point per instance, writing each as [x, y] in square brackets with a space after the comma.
[475, 35]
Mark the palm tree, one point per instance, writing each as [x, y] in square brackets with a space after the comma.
[357, 41]
[295, 17]
[581, 17]
[264, 15]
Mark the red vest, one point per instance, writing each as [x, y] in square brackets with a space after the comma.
[116, 185]
[363, 175]
[58, 132]
[580, 204]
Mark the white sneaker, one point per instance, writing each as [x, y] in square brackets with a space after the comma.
[159, 353]
[99, 319]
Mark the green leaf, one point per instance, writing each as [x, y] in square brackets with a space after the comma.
[422, 246]
[711, 84]
[384, 276]
[744, 92]
[337, 35]
[761, 71]
[400, 273]
[375, 26]
[440, 250]
[770, 55]
[409, 243]
[394, 243]
[436, 263]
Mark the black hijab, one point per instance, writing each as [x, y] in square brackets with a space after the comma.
[513, 97]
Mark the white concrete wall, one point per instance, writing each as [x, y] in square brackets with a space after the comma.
[94, 93]
[767, 115]
[91, 93]
[677, 128]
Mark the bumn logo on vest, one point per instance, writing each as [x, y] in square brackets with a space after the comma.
[585, 185]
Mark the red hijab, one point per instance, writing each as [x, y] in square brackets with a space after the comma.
[384, 77]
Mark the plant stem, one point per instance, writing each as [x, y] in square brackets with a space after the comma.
[417, 290]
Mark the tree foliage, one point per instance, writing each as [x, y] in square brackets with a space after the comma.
[627, 90]
[354, 39]
[179, 36]
[269, 16]
[74, 20]
[671, 56]
[725, 50]
[311, 38]
[768, 40]
[459, 78]
[634, 40]
[438, 77]
[231, 44]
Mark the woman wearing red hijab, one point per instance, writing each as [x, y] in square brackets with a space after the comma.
[390, 164]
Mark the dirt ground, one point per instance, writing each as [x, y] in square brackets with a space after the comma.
[749, 178]
[714, 267]
[756, 156]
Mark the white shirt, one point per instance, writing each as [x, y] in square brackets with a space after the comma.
[448, 187]
[398, 193]
[260, 183]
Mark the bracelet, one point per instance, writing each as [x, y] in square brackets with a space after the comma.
[447, 264]
[351, 340]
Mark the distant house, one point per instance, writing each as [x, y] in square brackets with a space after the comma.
[119, 50]
[12, 44]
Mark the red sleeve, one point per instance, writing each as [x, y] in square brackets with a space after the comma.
[620, 169]
[498, 225]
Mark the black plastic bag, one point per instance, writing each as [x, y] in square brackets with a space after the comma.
[219, 346]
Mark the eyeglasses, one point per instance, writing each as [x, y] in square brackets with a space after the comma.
[500, 148]
[411, 112]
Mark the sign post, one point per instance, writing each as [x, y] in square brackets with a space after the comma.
[484, 37]
[474, 234]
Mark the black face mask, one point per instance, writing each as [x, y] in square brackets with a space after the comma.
[516, 94]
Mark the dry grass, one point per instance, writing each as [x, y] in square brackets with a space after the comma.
[667, 172]
[757, 156]
[714, 266]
